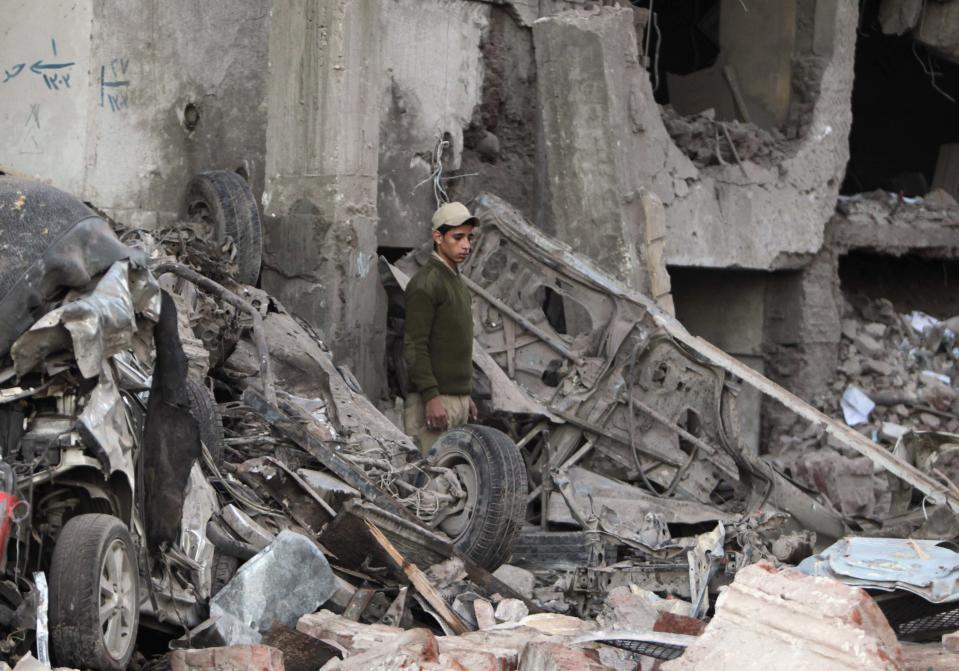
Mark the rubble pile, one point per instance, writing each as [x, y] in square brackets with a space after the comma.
[180, 453]
[710, 142]
[895, 376]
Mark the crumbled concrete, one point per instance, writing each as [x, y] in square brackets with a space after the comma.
[725, 219]
[430, 83]
[556, 657]
[518, 578]
[511, 610]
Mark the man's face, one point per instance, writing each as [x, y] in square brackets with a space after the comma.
[454, 245]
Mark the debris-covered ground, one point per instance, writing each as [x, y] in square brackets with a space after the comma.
[191, 481]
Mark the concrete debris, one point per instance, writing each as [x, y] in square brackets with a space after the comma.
[895, 376]
[292, 566]
[519, 579]
[164, 394]
[511, 610]
[557, 657]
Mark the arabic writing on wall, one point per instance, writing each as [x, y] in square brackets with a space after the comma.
[55, 75]
[113, 77]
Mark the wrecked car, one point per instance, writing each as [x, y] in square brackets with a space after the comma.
[126, 502]
[629, 426]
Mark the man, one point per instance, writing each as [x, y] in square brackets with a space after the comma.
[438, 344]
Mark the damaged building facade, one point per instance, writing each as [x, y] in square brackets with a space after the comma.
[703, 164]
[779, 179]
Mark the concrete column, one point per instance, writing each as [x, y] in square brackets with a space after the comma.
[591, 90]
[319, 200]
[802, 334]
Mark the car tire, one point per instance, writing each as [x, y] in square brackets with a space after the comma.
[225, 201]
[94, 594]
[492, 471]
[205, 411]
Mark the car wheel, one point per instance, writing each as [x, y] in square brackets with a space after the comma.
[94, 594]
[491, 469]
[225, 201]
[205, 411]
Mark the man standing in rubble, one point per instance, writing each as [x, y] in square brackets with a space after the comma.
[438, 344]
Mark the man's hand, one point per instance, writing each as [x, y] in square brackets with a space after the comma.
[474, 413]
[436, 419]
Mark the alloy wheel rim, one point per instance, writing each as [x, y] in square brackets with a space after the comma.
[117, 595]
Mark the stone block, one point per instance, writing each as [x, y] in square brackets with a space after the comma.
[769, 619]
[511, 610]
[353, 637]
[868, 345]
[627, 611]
[950, 641]
[519, 579]
[899, 16]
[230, 658]
[545, 656]
[293, 567]
[485, 615]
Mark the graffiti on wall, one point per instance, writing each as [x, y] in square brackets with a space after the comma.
[54, 73]
[115, 84]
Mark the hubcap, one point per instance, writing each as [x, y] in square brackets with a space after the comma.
[117, 600]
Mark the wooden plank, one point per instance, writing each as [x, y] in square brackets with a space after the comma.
[419, 581]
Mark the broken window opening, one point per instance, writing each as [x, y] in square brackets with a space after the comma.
[910, 282]
[736, 83]
[564, 314]
[684, 39]
[902, 115]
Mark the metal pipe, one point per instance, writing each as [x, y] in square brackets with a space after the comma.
[555, 343]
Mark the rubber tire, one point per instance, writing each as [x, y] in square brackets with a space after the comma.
[500, 508]
[205, 411]
[225, 200]
[74, 619]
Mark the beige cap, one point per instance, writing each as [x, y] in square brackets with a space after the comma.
[453, 215]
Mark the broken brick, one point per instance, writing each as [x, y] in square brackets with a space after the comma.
[769, 619]
[254, 657]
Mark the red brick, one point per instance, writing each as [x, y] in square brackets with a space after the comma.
[670, 623]
[787, 620]
[229, 658]
[546, 656]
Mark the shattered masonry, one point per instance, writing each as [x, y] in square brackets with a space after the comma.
[716, 335]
